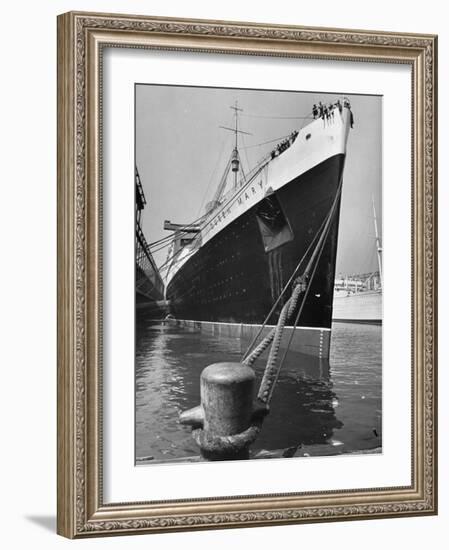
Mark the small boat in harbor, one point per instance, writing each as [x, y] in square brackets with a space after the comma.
[358, 298]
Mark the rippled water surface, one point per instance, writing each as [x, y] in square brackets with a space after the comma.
[335, 404]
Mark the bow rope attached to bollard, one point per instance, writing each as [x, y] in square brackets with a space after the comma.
[235, 444]
[302, 286]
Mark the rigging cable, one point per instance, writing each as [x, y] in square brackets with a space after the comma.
[223, 207]
[212, 175]
[273, 117]
[279, 139]
[246, 157]
[169, 238]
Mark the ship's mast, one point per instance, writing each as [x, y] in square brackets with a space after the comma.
[378, 245]
[236, 151]
[235, 156]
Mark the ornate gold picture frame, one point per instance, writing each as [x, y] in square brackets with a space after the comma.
[82, 41]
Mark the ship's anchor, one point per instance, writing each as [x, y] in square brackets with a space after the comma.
[229, 419]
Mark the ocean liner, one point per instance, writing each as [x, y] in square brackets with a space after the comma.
[226, 270]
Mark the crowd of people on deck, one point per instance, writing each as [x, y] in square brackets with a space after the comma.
[281, 147]
[326, 112]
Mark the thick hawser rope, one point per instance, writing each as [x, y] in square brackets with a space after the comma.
[235, 443]
[301, 289]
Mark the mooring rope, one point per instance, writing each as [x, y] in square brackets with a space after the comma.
[235, 443]
[249, 358]
[302, 288]
[284, 290]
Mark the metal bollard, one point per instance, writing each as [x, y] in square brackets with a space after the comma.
[227, 393]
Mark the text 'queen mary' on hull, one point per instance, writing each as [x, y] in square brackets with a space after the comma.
[225, 272]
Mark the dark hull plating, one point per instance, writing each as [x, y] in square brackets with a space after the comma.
[232, 279]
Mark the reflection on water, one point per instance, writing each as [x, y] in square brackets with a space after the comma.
[314, 404]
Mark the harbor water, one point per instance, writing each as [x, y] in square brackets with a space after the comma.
[319, 407]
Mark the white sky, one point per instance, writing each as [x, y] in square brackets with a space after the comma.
[181, 153]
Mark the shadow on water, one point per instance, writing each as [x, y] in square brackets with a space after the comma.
[315, 403]
[302, 411]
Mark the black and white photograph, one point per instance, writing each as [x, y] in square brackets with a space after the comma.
[225, 333]
[258, 274]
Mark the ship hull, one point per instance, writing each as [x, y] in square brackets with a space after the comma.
[149, 284]
[361, 307]
[233, 279]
